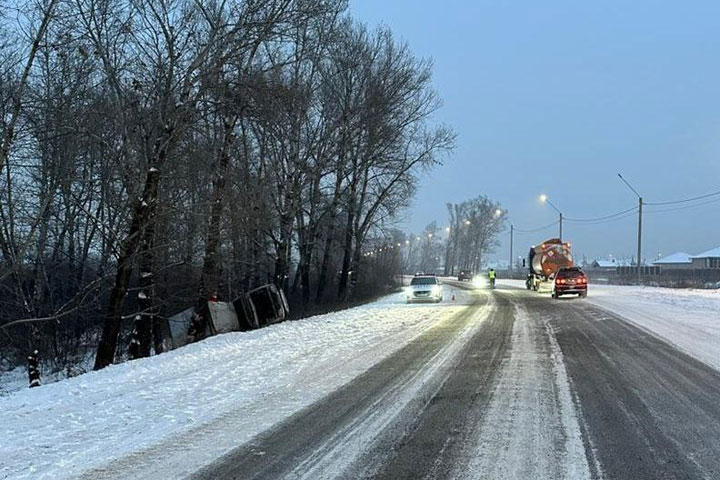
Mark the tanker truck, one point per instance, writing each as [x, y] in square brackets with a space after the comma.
[545, 260]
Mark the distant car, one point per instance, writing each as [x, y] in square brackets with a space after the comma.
[465, 276]
[424, 288]
[568, 281]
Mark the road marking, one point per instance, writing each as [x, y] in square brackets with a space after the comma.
[348, 444]
[530, 429]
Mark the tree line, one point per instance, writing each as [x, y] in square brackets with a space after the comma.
[463, 243]
[473, 233]
[160, 153]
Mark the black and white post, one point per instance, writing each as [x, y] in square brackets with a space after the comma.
[34, 369]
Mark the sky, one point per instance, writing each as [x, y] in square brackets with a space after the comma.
[557, 98]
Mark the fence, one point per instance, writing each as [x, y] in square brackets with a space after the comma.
[649, 275]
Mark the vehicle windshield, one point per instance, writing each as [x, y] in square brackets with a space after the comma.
[570, 273]
[424, 281]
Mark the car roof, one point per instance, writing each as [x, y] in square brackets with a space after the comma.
[570, 269]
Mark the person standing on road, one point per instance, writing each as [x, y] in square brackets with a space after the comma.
[491, 277]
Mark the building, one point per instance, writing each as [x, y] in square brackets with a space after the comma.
[676, 261]
[609, 263]
[709, 259]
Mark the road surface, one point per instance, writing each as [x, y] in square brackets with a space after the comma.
[515, 386]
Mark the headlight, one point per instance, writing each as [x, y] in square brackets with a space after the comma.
[479, 281]
[436, 290]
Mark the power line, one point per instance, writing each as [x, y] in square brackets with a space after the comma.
[685, 207]
[606, 217]
[613, 218]
[538, 229]
[686, 200]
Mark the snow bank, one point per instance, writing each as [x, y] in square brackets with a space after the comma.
[687, 318]
[255, 378]
[17, 378]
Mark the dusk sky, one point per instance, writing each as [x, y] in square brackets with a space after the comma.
[557, 98]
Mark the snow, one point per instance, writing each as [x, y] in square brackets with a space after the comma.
[714, 253]
[530, 428]
[17, 378]
[612, 262]
[183, 409]
[333, 459]
[686, 318]
[678, 257]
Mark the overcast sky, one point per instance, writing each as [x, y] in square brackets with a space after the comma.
[557, 97]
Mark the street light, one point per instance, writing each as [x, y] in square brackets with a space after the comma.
[640, 211]
[512, 231]
[544, 199]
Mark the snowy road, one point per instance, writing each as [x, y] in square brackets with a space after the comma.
[507, 384]
[541, 390]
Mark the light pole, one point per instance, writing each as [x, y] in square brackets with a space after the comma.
[640, 211]
[545, 199]
[512, 230]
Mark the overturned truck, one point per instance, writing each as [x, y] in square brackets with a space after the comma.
[255, 309]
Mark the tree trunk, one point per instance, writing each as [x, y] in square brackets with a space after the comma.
[144, 210]
[347, 257]
[325, 264]
[210, 277]
[141, 343]
[347, 248]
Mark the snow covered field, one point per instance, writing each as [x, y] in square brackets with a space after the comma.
[687, 318]
[195, 400]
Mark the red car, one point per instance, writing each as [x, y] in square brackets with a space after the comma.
[570, 280]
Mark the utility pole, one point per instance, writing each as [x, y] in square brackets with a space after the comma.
[639, 260]
[561, 226]
[640, 215]
[512, 229]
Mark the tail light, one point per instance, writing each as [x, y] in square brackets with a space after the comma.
[560, 280]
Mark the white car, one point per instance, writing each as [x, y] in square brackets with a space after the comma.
[424, 288]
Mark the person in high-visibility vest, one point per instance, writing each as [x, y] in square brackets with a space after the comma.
[491, 277]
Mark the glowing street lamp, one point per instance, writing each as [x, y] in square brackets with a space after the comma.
[544, 199]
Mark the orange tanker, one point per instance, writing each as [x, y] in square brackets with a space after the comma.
[546, 259]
